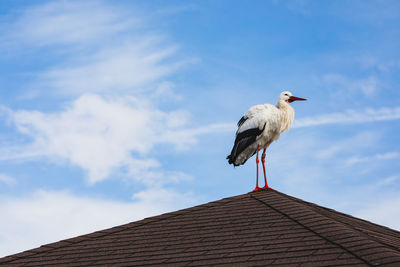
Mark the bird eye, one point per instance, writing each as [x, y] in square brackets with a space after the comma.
[286, 95]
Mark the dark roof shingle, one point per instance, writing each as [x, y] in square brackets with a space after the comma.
[259, 228]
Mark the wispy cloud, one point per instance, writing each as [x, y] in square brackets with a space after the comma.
[388, 180]
[339, 147]
[7, 179]
[350, 116]
[384, 156]
[74, 24]
[342, 84]
[192, 134]
[128, 68]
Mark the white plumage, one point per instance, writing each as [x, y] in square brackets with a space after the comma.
[259, 127]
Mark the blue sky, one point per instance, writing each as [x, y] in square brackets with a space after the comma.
[115, 111]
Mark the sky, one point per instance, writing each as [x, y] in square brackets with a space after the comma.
[114, 111]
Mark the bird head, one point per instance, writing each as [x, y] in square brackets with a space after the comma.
[287, 97]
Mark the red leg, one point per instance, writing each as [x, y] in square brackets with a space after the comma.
[265, 174]
[257, 161]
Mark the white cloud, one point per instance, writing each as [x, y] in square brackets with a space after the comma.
[164, 92]
[49, 216]
[8, 180]
[102, 134]
[350, 117]
[357, 142]
[343, 85]
[377, 157]
[72, 23]
[190, 135]
[130, 67]
[388, 180]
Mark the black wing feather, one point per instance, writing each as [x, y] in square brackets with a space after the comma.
[242, 141]
[241, 121]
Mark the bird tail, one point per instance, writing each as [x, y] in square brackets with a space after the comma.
[229, 158]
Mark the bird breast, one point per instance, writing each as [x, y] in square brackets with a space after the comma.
[287, 116]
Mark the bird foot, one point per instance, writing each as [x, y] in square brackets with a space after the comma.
[257, 188]
[267, 187]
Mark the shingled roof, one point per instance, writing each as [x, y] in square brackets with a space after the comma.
[255, 229]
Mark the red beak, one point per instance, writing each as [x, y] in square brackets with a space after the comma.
[294, 98]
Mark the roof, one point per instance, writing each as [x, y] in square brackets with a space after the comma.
[258, 228]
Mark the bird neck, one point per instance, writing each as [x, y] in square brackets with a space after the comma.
[287, 115]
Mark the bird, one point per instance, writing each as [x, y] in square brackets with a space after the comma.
[258, 128]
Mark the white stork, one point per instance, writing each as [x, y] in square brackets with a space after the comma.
[259, 127]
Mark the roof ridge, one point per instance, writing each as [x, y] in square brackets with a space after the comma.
[81, 238]
[311, 230]
[313, 205]
[320, 232]
[317, 208]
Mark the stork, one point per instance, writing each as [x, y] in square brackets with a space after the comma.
[259, 127]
